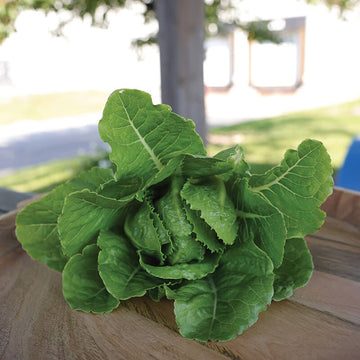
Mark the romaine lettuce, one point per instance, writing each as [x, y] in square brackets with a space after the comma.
[174, 222]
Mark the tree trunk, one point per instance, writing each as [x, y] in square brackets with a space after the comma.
[181, 41]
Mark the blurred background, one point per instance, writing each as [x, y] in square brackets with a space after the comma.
[275, 72]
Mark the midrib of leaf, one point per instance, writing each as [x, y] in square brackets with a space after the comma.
[249, 215]
[157, 162]
[277, 180]
[99, 292]
[214, 291]
[136, 270]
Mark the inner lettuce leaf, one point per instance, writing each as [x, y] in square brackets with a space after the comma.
[203, 231]
[141, 230]
[295, 271]
[164, 236]
[144, 137]
[172, 212]
[36, 224]
[216, 208]
[190, 271]
[83, 288]
[235, 158]
[225, 303]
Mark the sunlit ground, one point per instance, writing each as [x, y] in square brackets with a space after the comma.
[46, 106]
[43, 178]
[264, 142]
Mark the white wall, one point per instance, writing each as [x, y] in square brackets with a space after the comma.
[85, 58]
[92, 58]
[332, 64]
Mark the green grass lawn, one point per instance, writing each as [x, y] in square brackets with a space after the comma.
[264, 142]
[43, 178]
[45, 106]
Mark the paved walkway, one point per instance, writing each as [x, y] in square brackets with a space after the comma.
[30, 142]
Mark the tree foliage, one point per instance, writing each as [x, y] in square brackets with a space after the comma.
[221, 15]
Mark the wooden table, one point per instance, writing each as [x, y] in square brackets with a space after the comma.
[320, 321]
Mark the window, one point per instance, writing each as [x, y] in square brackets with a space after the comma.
[218, 64]
[279, 67]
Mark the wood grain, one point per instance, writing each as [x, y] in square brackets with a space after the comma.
[332, 295]
[36, 323]
[320, 321]
[292, 331]
[340, 231]
[344, 205]
[335, 257]
[8, 241]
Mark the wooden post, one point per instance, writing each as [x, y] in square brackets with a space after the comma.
[181, 41]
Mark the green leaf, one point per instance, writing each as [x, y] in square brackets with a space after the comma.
[157, 293]
[216, 208]
[227, 302]
[197, 166]
[120, 270]
[171, 210]
[203, 232]
[140, 228]
[164, 237]
[84, 214]
[295, 271]
[234, 157]
[83, 288]
[119, 189]
[171, 168]
[298, 186]
[190, 165]
[145, 137]
[190, 271]
[36, 224]
[259, 221]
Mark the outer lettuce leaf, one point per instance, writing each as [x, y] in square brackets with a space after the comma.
[197, 166]
[120, 270]
[83, 288]
[298, 186]
[157, 293]
[189, 271]
[224, 304]
[295, 271]
[119, 189]
[84, 214]
[190, 165]
[145, 137]
[36, 224]
[171, 210]
[171, 168]
[216, 208]
[259, 220]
